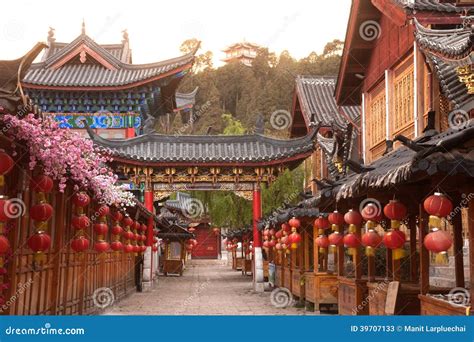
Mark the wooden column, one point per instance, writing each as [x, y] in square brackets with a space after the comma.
[306, 264]
[470, 225]
[458, 250]
[60, 228]
[357, 256]
[315, 251]
[413, 261]
[340, 255]
[424, 254]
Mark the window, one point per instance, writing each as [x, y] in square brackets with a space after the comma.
[376, 119]
[403, 99]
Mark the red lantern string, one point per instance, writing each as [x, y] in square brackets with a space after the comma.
[438, 241]
[6, 165]
[336, 219]
[116, 231]
[351, 240]
[294, 239]
[80, 222]
[101, 228]
[40, 213]
[127, 234]
[395, 238]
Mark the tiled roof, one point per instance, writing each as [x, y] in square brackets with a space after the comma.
[184, 100]
[95, 74]
[316, 95]
[439, 153]
[454, 46]
[186, 149]
[430, 6]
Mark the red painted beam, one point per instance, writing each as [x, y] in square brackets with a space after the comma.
[257, 215]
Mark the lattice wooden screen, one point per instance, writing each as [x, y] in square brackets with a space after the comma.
[403, 99]
[376, 119]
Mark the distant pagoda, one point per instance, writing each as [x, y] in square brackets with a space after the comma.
[243, 52]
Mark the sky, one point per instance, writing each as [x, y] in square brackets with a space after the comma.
[157, 28]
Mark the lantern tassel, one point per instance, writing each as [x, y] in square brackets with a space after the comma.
[369, 251]
[351, 251]
[333, 249]
[322, 250]
[441, 258]
[39, 257]
[398, 254]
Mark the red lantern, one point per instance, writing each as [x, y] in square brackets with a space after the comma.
[39, 242]
[103, 210]
[353, 217]
[351, 241]
[81, 199]
[295, 223]
[321, 223]
[117, 216]
[80, 222]
[117, 230]
[265, 244]
[271, 243]
[371, 239]
[294, 239]
[438, 205]
[144, 227]
[6, 163]
[137, 225]
[372, 212]
[4, 245]
[271, 232]
[101, 246]
[279, 234]
[336, 218]
[395, 210]
[128, 248]
[80, 244]
[394, 239]
[336, 239]
[278, 246]
[42, 184]
[100, 228]
[322, 241]
[128, 235]
[285, 227]
[116, 246]
[438, 241]
[41, 212]
[127, 221]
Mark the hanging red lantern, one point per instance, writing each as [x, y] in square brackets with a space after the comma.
[321, 223]
[352, 217]
[279, 234]
[294, 223]
[371, 240]
[278, 246]
[117, 230]
[101, 246]
[39, 242]
[144, 227]
[285, 227]
[438, 205]
[81, 199]
[6, 165]
[80, 222]
[438, 241]
[100, 228]
[42, 183]
[4, 245]
[265, 244]
[394, 239]
[322, 241]
[336, 239]
[294, 239]
[351, 240]
[271, 232]
[117, 216]
[116, 246]
[103, 210]
[41, 212]
[272, 243]
[128, 235]
[80, 244]
[336, 219]
[128, 248]
[127, 221]
[395, 210]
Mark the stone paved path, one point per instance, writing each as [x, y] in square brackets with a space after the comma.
[208, 287]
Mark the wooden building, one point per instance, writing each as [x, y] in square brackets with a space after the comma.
[243, 52]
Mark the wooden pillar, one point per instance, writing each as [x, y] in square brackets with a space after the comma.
[470, 225]
[60, 228]
[315, 251]
[458, 250]
[340, 255]
[413, 261]
[424, 255]
[306, 262]
[357, 256]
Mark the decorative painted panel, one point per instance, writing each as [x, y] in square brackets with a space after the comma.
[97, 120]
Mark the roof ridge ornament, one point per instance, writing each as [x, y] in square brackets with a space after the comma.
[83, 29]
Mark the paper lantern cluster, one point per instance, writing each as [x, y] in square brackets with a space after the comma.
[116, 245]
[101, 228]
[80, 222]
[40, 213]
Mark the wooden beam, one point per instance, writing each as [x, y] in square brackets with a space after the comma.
[470, 226]
[458, 250]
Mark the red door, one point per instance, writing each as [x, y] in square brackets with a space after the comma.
[207, 243]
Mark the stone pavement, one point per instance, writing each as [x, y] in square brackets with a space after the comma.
[208, 287]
